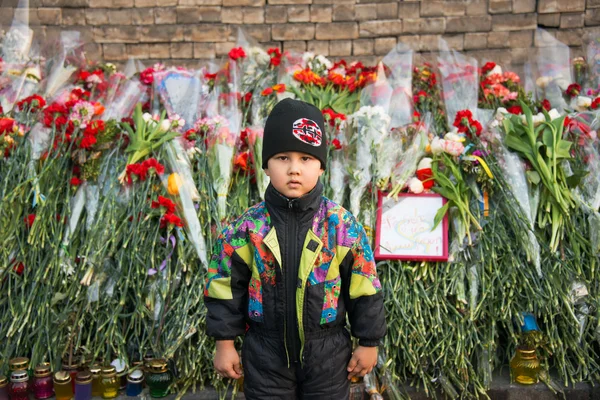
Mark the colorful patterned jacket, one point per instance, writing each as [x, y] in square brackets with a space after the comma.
[336, 276]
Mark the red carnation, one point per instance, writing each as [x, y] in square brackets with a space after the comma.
[237, 53]
[34, 103]
[147, 76]
[165, 203]
[488, 67]
[573, 90]
[152, 163]
[267, 91]
[29, 220]
[170, 219]
[241, 161]
[595, 103]
[6, 125]
[546, 105]
[87, 142]
[1, 110]
[248, 97]
[75, 181]
[517, 110]
[94, 127]
[337, 145]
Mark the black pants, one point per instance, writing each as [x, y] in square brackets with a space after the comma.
[322, 375]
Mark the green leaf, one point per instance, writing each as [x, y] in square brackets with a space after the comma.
[517, 145]
[574, 180]
[533, 177]
[563, 149]
[439, 215]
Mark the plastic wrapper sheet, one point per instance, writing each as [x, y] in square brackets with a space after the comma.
[255, 141]
[414, 152]
[180, 92]
[514, 172]
[460, 81]
[552, 71]
[399, 62]
[62, 67]
[592, 52]
[255, 67]
[180, 165]
[338, 172]
[122, 97]
[370, 127]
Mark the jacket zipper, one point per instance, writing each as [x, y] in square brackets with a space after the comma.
[291, 285]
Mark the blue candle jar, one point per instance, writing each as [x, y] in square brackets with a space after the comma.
[83, 385]
[135, 382]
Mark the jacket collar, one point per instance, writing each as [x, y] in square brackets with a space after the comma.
[310, 201]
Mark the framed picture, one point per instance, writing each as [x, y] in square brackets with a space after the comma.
[404, 228]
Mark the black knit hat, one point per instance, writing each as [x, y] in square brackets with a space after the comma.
[294, 125]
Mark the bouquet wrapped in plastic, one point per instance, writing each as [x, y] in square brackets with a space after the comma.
[552, 71]
[399, 63]
[459, 81]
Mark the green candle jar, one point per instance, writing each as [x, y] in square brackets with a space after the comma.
[158, 378]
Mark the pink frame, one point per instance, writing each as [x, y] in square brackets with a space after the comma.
[379, 256]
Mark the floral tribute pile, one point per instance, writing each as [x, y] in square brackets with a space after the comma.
[114, 185]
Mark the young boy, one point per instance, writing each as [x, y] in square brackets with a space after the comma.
[287, 271]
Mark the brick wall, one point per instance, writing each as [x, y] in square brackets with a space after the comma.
[189, 32]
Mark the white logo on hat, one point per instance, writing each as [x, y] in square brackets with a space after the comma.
[308, 131]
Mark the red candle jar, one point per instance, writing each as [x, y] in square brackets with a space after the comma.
[72, 368]
[43, 388]
[19, 385]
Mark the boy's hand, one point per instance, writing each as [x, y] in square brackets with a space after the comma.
[363, 360]
[227, 360]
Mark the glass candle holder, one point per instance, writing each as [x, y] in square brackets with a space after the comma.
[135, 382]
[3, 387]
[83, 385]
[63, 389]
[110, 383]
[158, 378]
[120, 368]
[19, 385]
[18, 364]
[96, 371]
[525, 366]
[43, 387]
[71, 367]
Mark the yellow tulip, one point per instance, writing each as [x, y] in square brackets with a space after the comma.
[173, 184]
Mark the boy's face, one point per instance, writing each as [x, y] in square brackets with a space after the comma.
[293, 174]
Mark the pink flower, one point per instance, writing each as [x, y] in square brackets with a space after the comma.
[453, 148]
[511, 76]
